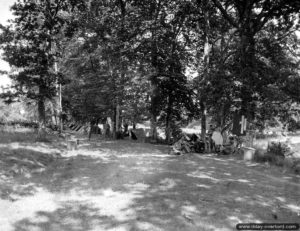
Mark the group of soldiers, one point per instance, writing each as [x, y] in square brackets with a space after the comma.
[214, 142]
[105, 129]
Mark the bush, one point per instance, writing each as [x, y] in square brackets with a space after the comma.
[292, 164]
[278, 149]
[293, 125]
[42, 136]
[296, 168]
[276, 154]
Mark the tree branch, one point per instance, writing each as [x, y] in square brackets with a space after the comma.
[225, 14]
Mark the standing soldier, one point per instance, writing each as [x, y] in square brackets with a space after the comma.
[218, 139]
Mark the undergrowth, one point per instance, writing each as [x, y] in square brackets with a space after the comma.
[278, 154]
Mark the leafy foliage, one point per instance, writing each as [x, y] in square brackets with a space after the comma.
[31, 45]
[167, 61]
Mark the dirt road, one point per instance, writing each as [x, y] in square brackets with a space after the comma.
[122, 185]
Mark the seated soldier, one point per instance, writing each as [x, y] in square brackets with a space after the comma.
[181, 146]
[133, 136]
[199, 146]
[230, 147]
[126, 132]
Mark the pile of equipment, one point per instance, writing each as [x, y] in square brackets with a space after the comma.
[188, 143]
[192, 143]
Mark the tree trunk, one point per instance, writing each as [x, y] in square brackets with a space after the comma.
[153, 111]
[114, 129]
[134, 125]
[61, 126]
[206, 60]
[116, 121]
[154, 62]
[117, 126]
[222, 116]
[203, 124]
[91, 129]
[153, 127]
[42, 120]
[247, 68]
[117, 118]
[41, 111]
[168, 121]
[53, 114]
[203, 120]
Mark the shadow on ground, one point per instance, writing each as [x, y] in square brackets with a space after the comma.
[125, 185]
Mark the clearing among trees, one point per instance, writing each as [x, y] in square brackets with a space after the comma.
[126, 185]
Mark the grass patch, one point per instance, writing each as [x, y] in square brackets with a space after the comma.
[10, 134]
[10, 137]
[21, 154]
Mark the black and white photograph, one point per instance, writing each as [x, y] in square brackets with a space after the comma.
[149, 115]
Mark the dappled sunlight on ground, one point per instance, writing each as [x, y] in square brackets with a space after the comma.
[124, 185]
[294, 208]
[198, 174]
[39, 211]
[25, 207]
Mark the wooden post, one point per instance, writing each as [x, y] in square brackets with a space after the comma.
[67, 137]
[71, 145]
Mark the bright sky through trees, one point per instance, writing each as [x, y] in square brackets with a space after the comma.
[5, 14]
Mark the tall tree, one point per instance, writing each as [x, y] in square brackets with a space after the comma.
[103, 60]
[30, 45]
[163, 50]
[126, 40]
[249, 17]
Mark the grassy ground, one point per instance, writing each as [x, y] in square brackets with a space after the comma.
[125, 185]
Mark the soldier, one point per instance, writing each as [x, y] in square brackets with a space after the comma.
[107, 130]
[209, 140]
[218, 139]
[91, 128]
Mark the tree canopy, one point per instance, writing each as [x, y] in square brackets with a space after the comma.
[159, 60]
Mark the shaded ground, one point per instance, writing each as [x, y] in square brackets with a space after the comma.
[123, 185]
